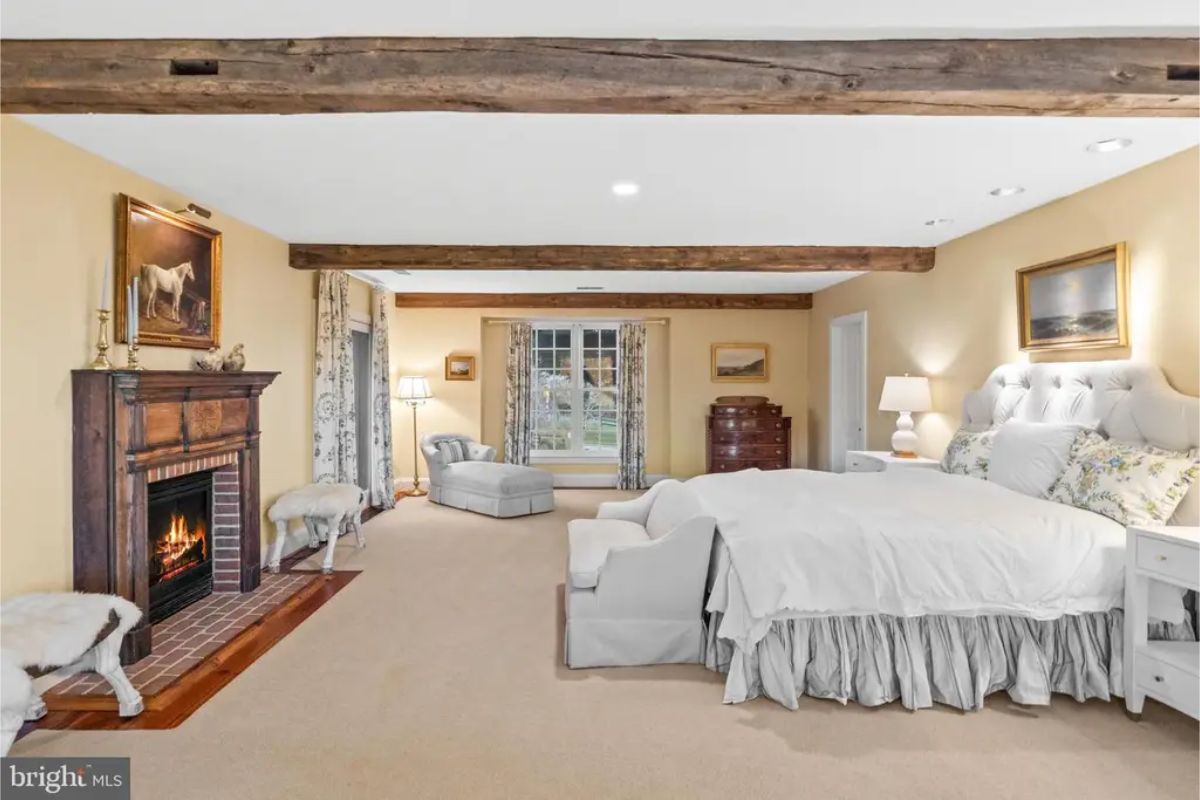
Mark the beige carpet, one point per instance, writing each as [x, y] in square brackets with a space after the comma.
[437, 674]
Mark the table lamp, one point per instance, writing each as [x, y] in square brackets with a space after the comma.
[905, 394]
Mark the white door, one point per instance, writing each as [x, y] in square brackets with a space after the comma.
[847, 387]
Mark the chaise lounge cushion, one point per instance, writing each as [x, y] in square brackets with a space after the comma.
[496, 479]
[591, 539]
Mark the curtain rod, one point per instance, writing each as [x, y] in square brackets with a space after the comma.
[572, 320]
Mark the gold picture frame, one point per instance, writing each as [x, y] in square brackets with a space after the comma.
[1077, 302]
[460, 368]
[177, 307]
[741, 362]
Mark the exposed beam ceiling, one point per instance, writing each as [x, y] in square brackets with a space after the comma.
[761, 302]
[1004, 77]
[611, 257]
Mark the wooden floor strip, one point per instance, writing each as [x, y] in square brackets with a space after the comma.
[177, 702]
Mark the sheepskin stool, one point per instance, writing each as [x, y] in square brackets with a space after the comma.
[41, 633]
[325, 508]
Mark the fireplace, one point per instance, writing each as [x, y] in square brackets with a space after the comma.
[165, 507]
[179, 545]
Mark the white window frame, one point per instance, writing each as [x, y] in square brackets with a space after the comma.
[578, 454]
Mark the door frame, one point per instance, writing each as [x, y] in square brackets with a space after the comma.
[837, 403]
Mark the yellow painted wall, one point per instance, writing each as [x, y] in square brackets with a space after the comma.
[57, 224]
[679, 388]
[959, 321]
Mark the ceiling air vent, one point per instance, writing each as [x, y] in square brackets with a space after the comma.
[589, 288]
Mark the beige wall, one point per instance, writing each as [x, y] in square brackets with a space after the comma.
[678, 381]
[57, 226]
[956, 323]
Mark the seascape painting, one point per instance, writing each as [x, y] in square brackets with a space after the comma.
[737, 362]
[1074, 302]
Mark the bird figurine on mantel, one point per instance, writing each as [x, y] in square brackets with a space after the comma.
[235, 360]
[210, 361]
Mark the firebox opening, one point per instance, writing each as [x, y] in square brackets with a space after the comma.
[179, 546]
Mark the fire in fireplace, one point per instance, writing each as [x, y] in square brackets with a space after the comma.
[180, 547]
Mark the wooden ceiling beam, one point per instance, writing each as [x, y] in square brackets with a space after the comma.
[612, 257]
[1144, 77]
[624, 300]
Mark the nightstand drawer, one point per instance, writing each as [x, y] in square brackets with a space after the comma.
[1168, 683]
[1169, 559]
[858, 462]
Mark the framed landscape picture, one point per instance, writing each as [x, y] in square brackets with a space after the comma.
[739, 362]
[460, 368]
[177, 262]
[1075, 302]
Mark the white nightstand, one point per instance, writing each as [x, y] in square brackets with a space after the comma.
[882, 460]
[1167, 671]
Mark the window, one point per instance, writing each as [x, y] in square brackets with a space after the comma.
[574, 391]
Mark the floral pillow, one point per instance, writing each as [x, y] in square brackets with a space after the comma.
[968, 453]
[1132, 484]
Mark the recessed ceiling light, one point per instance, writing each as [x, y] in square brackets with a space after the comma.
[625, 188]
[1006, 191]
[1109, 145]
[933, 223]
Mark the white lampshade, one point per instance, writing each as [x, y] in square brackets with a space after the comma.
[413, 387]
[905, 394]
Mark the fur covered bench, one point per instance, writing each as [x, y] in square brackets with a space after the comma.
[42, 633]
[325, 508]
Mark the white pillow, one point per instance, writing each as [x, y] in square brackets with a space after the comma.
[1028, 457]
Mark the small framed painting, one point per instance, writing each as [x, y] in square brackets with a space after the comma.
[460, 368]
[739, 362]
[1075, 302]
[177, 263]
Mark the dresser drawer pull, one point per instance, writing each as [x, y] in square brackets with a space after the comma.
[1161, 557]
[1158, 678]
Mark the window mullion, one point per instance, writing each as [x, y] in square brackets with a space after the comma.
[577, 389]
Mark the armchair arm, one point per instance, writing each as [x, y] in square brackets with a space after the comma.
[665, 575]
[635, 510]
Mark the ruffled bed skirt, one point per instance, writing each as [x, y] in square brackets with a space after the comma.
[920, 661]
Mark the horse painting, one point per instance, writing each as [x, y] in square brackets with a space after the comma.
[170, 281]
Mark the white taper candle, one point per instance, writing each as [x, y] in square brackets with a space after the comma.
[106, 285]
[136, 301]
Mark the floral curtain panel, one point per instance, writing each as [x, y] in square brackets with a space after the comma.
[631, 414]
[383, 492]
[518, 416]
[335, 454]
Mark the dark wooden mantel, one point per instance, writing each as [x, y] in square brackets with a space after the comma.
[127, 423]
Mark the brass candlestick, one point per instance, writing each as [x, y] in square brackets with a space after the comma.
[132, 359]
[101, 360]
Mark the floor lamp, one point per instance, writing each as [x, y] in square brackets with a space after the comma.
[414, 390]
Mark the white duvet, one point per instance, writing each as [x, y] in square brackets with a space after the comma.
[906, 543]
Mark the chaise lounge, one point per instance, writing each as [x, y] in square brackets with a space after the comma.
[476, 482]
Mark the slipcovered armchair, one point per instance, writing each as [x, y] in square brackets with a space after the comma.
[480, 484]
[635, 581]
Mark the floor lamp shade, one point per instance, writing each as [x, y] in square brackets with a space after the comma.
[905, 394]
[414, 390]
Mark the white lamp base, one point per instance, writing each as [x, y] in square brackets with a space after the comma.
[904, 441]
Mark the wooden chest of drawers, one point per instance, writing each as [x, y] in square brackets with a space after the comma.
[745, 432]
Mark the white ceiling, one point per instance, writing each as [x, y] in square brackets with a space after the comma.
[723, 19]
[545, 179]
[559, 281]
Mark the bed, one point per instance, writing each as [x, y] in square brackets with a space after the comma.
[926, 587]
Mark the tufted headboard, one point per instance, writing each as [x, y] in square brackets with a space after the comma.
[1124, 400]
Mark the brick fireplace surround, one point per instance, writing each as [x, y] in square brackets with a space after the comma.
[133, 428]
